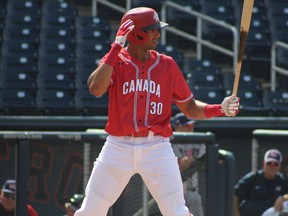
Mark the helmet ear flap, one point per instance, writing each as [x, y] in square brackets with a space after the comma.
[137, 36]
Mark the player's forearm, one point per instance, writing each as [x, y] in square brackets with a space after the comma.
[236, 206]
[193, 109]
[200, 110]
[99, 80]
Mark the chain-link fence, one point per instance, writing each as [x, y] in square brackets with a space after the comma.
[60, 163]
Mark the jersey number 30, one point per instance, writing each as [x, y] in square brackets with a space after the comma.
[156, 108]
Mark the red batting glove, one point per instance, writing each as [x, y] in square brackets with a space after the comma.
[119, 42]
[122, 33]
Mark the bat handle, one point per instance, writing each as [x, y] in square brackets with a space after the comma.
[237, 77]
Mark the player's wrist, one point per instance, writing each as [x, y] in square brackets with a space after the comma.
[113, 54]
[213, 110]
[284, 197]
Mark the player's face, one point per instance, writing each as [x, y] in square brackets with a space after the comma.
[153, 35]
[8, 201]
[270, 169]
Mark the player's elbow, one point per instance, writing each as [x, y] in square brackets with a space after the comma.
[96, 90]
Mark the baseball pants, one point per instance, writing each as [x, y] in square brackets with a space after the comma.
[121, 158]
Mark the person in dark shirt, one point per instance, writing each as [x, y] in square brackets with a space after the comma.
[258, 191]
[7, 200]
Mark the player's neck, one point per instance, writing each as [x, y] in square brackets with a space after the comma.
[138, 53]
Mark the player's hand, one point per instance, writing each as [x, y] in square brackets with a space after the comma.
[201, 151]
[230, 105]
[279, 203]
[123, 31]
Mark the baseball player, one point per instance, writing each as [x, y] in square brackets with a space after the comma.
[142, 86]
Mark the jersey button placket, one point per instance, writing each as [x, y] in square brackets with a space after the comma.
[142, 98]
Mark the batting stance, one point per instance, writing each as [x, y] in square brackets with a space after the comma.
[142, 86]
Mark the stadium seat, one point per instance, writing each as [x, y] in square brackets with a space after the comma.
[2, 20]
[55, 64]
[23, 18]
[19, 63]
[81, 79]
[89, 21]
[87, 63]
[209, 96]
[278, 23]
[2, 10]
[58, 19]
[277, 8]
[202, 66]
[27, 6]
[258, 52]
[55, 102]
[20, 47]
[18, 102]
[87, 104]
[21, 32]
[174, 53]
[92, 34]
[64, 7]
[208, 81]
[155, 4]
[57, 34]
[278, 101]
[247, 82]
[252, 105]
[18, 80]
[97, 48]
[223, 11]
[220, 10]
[57, 48]
[85, 66]
[60, 81]
[180, 19]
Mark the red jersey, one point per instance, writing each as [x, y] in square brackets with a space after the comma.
[141, 94]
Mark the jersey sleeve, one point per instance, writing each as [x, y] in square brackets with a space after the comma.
[181, 91]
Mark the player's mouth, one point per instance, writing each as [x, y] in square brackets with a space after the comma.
[155, 41]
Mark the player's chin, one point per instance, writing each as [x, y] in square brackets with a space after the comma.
[154, 43]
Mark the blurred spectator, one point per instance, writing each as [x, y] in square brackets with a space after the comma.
[188, 156]
[73, 204]
[257, 191]
[182, 124]
[7, 200]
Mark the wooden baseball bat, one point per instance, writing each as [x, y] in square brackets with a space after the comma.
[244, 29]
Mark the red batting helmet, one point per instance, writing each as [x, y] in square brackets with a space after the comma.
[144, 18]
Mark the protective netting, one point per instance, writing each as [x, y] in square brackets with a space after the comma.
[60, 166]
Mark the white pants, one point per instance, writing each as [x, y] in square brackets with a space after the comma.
[122, 157]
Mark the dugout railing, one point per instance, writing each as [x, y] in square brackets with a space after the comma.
[275, 68]
[51, 166]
